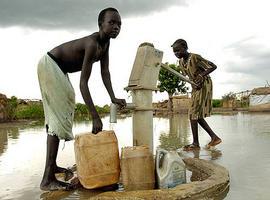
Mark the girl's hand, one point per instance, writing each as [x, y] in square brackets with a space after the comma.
[198, 81]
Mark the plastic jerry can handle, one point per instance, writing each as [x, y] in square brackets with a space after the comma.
[160, 157]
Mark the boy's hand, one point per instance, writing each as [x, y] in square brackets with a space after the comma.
[97, 125]
[120, 102]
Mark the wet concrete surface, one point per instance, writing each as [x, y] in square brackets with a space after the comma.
[209, 181]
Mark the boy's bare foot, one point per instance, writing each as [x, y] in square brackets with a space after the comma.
[68, 172]
[215, 141]
[109, 187]
[56, 185]
[191, 147]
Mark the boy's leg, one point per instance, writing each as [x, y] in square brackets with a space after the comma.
[215, 140]
[49, 182]
[195, 144]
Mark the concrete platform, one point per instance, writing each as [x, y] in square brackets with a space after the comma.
[209, 181]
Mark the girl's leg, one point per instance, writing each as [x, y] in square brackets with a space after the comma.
[194, 128]
[195, 144]
[214, 138]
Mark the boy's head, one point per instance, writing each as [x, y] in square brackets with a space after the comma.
[109, 21]
[180, 48]
[102, 14]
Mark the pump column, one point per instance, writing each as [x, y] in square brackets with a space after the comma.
[142, 81]
[143, 118]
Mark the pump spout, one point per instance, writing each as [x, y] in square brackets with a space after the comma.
[114, 108]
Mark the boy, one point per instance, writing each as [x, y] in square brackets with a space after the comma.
[58, 94]
[198, 70]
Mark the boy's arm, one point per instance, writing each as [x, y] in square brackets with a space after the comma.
[85, 74]
[106, 78]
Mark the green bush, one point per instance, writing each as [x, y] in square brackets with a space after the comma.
[81, 110]
[34, 110]
[30, 111]
[216, 103]
[11, 107]
[103, 110]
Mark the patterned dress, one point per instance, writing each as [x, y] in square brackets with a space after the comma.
[201, 100]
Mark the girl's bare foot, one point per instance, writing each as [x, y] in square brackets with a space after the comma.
[215, 141]
[191, 147]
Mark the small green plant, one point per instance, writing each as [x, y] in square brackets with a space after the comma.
[216, 103]
[244, 102]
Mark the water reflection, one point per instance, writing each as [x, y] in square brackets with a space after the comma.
[3, 140]
[13, 132]
[178, 133]
[5, 133]
[204, 153]
[81, 193]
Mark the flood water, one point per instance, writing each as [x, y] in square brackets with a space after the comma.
[245, 152]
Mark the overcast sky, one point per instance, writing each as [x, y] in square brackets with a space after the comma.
[234, 34]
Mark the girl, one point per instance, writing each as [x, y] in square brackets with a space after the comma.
[198, 70]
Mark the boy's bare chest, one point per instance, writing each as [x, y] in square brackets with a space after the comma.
[101, 50]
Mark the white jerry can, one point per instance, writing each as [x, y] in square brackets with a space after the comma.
[170, 168]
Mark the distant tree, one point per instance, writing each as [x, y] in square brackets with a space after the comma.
[229, 96]
[171, 84]
[81, 110]
[11, 107]
[229, 100]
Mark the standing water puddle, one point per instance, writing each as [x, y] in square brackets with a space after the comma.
[244, 152]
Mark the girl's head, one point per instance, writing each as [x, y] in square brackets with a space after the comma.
[180, 48]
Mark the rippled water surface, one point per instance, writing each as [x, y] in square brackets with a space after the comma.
[245, 152]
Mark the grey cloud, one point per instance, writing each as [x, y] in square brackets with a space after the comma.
[254, 59]
[70, 14]
[247, 48]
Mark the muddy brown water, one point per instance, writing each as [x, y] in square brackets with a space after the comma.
[245, 152]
